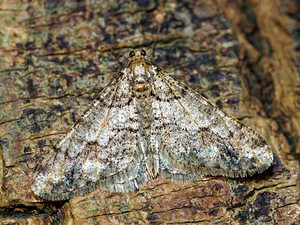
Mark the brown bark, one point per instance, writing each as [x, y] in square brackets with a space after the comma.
[56, 56]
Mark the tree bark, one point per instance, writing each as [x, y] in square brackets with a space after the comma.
[56, 56]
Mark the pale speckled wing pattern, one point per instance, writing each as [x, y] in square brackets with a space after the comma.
[100, 150]
[142, 124]
[196, 138]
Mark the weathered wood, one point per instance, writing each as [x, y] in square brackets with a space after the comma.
[56, 56]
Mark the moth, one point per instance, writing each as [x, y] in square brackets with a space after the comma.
[145, 123]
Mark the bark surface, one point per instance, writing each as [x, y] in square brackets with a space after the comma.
[56, 56]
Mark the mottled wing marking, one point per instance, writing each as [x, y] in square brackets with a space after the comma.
[144, 123]
[100, 150]
[196, 138]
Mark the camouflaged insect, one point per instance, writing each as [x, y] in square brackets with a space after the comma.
[146, 123]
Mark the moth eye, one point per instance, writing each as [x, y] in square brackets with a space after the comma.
[143, 52]
[131, 54]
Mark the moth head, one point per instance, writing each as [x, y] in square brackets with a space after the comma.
[136, 54]
[138, 57]
[139, 69]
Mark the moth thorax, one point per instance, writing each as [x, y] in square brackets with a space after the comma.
[140, 78]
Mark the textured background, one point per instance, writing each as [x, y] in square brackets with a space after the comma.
[56, 56]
